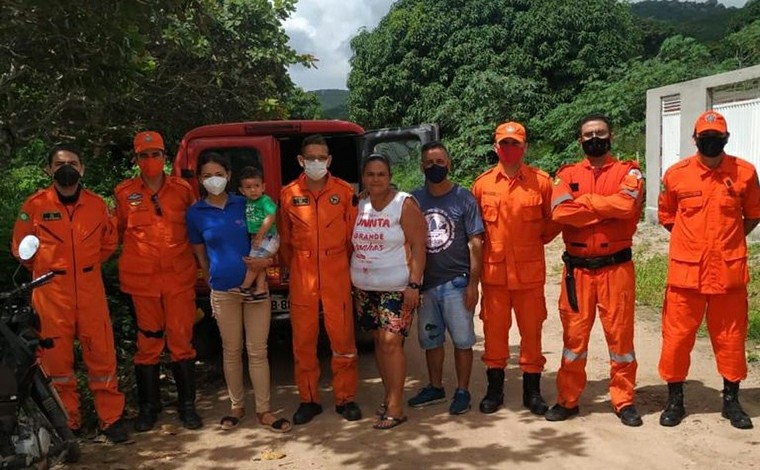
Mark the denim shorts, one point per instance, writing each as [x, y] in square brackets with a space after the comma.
[442, 310]
[269, 246]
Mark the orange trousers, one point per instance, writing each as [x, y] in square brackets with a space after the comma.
[339, 323]
[92, 327]
[612, 290]
[164, 321]
[727, 323]
[530, 313]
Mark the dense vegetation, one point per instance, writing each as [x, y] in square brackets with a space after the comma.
[469, 65]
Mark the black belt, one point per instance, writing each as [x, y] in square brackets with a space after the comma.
[594, 262]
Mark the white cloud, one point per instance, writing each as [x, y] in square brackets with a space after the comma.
[324, 28]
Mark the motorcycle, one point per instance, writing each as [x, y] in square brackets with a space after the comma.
[33, 421]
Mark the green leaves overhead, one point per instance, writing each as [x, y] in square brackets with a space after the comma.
[97, 71]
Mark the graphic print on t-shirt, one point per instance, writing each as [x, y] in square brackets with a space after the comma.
[441, 230]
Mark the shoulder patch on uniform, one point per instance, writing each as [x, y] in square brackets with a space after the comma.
[134, 197]
[636, 172]
[23, 216]
[300, 200]
[334, 199]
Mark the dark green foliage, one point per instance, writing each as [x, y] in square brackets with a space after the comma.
[705, 21]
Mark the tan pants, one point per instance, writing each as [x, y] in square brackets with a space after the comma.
[234, 318]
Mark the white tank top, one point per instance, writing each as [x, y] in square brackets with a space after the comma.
[379, 261]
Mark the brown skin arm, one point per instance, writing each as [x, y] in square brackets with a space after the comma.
[475, 245]
[199, 250]
[415, 231]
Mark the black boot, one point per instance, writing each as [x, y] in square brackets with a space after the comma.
[674, 410]
[495, 394]
[532, 398]
[148, 396]
[184, 377]
[732, 410]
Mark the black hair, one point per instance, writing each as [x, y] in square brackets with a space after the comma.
[315, 139]
[250, 172]
[594, 117]
[433, 144]
[214, 157]
[376, 157]
[64, 148]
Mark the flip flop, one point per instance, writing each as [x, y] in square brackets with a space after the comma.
[230, 422]
[389, 422]
[281, 425]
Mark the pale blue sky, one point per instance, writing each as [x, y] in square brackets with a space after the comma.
[324, 29]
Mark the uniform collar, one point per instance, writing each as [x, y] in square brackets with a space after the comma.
[501, 174]
[303, 183]
[704, 169]
[608, 160]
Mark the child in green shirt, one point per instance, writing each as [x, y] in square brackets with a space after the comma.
[260, 212]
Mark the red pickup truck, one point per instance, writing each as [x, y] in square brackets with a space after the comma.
[273, 145]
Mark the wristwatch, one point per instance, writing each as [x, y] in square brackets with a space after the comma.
[414, 285]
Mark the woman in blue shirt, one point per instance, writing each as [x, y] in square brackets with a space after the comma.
[217, 230]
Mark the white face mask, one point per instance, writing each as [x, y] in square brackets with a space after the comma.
[315, 170]
[215, 184]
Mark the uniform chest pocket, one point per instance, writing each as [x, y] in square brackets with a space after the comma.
[139, 218]
[730, 205]
[490, 210]
[530, 209]
[690, 205]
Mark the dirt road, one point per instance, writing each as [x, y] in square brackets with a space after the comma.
[509, 438]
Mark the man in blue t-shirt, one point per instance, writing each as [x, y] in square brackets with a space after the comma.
[452, 273]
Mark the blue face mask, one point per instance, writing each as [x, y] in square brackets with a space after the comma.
[436, 173]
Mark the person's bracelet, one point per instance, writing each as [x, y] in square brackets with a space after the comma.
[414, 285]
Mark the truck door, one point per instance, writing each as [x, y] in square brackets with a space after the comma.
[402, 147]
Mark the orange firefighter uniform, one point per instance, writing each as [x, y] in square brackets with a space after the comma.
[599, 209]
[517, 217]
[157, 266]
[315, 232]
[74, 240]
[707, 271]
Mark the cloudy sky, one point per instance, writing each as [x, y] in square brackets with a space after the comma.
[324, 29]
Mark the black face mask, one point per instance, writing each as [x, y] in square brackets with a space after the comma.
[436, 173]
[66, 176]
[596, 147]
[711, 146]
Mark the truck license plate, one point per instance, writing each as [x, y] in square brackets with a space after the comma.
[280, 304]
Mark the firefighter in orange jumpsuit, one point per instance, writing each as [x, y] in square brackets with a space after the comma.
[315, 219]
[598, 201]
[157, 268]
[515, 201]
[76, 235]
[709, 202]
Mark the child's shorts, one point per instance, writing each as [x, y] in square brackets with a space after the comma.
[269, 246]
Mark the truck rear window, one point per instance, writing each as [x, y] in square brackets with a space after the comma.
[240, 157]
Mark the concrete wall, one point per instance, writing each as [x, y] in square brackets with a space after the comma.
[696, 97]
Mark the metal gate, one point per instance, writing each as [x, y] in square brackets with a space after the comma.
[743, 119]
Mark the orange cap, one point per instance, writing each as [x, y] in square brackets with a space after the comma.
[710, 121]
[511, 130]
[148, 140]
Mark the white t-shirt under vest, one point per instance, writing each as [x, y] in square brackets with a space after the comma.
[379, 260]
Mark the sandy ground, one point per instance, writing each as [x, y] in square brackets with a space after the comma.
[433, 439]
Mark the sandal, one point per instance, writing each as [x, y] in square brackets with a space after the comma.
[389, 422]
[260, 296]
[231, 421]
[280, 425]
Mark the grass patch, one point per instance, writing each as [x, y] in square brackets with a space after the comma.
[651, 274]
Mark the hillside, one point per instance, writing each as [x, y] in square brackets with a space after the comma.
[706, 22]
[334, 103]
